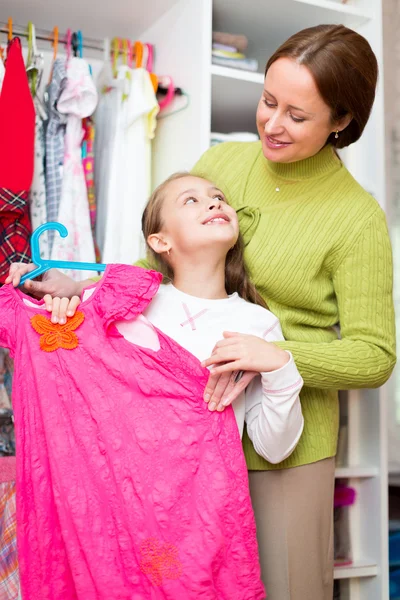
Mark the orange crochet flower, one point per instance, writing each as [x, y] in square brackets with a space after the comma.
[160, 561]
[54, 336]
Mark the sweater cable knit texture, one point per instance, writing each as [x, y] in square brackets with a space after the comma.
[319, 252]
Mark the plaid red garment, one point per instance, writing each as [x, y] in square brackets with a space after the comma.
[15, 230]
[9, 574]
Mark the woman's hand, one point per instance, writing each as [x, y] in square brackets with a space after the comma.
[53, 282]
[60, 292]
[222, 390]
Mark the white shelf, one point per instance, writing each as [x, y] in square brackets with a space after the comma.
[218, 71]
[356, 472]
[98, 20]
[337, 6]
[360, 568]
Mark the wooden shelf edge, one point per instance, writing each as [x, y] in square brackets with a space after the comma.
[229, 72]
[339, 8]
[360, 568]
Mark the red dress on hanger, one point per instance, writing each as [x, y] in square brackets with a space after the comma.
[17, 126]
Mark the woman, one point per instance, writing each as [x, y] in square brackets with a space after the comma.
[318, 250]
[304, 217]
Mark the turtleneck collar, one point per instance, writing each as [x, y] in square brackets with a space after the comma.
[326, 161]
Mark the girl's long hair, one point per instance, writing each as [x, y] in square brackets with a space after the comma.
[236, 276]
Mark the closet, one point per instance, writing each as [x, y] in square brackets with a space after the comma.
[224, 99]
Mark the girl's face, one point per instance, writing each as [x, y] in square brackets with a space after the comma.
[196, 217]
[293, 121]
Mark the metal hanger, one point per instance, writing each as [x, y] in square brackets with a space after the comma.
[46, 264]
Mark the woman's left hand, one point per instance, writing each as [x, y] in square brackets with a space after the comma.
[241, 352]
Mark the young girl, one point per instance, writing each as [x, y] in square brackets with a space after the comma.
[193, 234]
[190, 226]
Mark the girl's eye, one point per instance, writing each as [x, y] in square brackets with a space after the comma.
[190, 200]
[219, 197]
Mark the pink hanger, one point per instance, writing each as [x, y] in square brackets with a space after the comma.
[130, 54]
[169, 96]
[150, 57]
[69, 44]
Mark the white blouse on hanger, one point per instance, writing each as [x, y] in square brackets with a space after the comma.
[107, 147]
[37, 194]
[2, 73]
[130, 167]
[78, 100]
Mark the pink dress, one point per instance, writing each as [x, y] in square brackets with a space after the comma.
[128, 488]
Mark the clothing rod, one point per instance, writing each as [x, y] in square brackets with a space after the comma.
[47, 36]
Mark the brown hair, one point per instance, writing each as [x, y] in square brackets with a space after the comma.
[345, 70]
[236, 276]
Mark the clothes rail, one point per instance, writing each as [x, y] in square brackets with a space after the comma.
[48, 36]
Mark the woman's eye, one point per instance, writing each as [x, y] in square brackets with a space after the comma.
[190, 200]
[297, 119]
[269, 104]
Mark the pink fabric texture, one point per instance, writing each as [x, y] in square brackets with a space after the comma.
[7, 469]
[127, 486]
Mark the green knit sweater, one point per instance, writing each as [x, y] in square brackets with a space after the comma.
[318, 250]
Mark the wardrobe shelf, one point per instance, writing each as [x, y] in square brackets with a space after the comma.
[218, 71]
[337, 6]
[356, 472]
[359, 568]
[97, 20]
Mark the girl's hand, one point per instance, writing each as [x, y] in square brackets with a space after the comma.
[222, 390]
[61, 308]
[241, 352]
[54, 283]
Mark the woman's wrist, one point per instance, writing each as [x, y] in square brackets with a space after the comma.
[81, 285]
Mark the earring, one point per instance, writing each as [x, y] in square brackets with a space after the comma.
[337, 134]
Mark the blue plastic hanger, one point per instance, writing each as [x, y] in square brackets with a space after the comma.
[46, 264]
[80, 43]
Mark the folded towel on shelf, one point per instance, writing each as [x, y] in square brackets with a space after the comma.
[240, 42]
[224, 47]
[234, 136]
[245, 64]
[225, 54]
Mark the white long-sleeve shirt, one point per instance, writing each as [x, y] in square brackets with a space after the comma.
[270, 405]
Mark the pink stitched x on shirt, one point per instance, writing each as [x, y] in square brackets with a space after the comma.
[191, 318]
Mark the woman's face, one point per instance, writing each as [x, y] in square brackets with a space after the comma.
[293, 121]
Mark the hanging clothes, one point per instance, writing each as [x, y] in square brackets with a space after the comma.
[17, 126]
[55, 134]
[130, 177]
[38, 205]
[2, 73]
[128, 486]
[108, 145]
[140, 124]
[88, 161]
[9, 573]
[77, 101]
